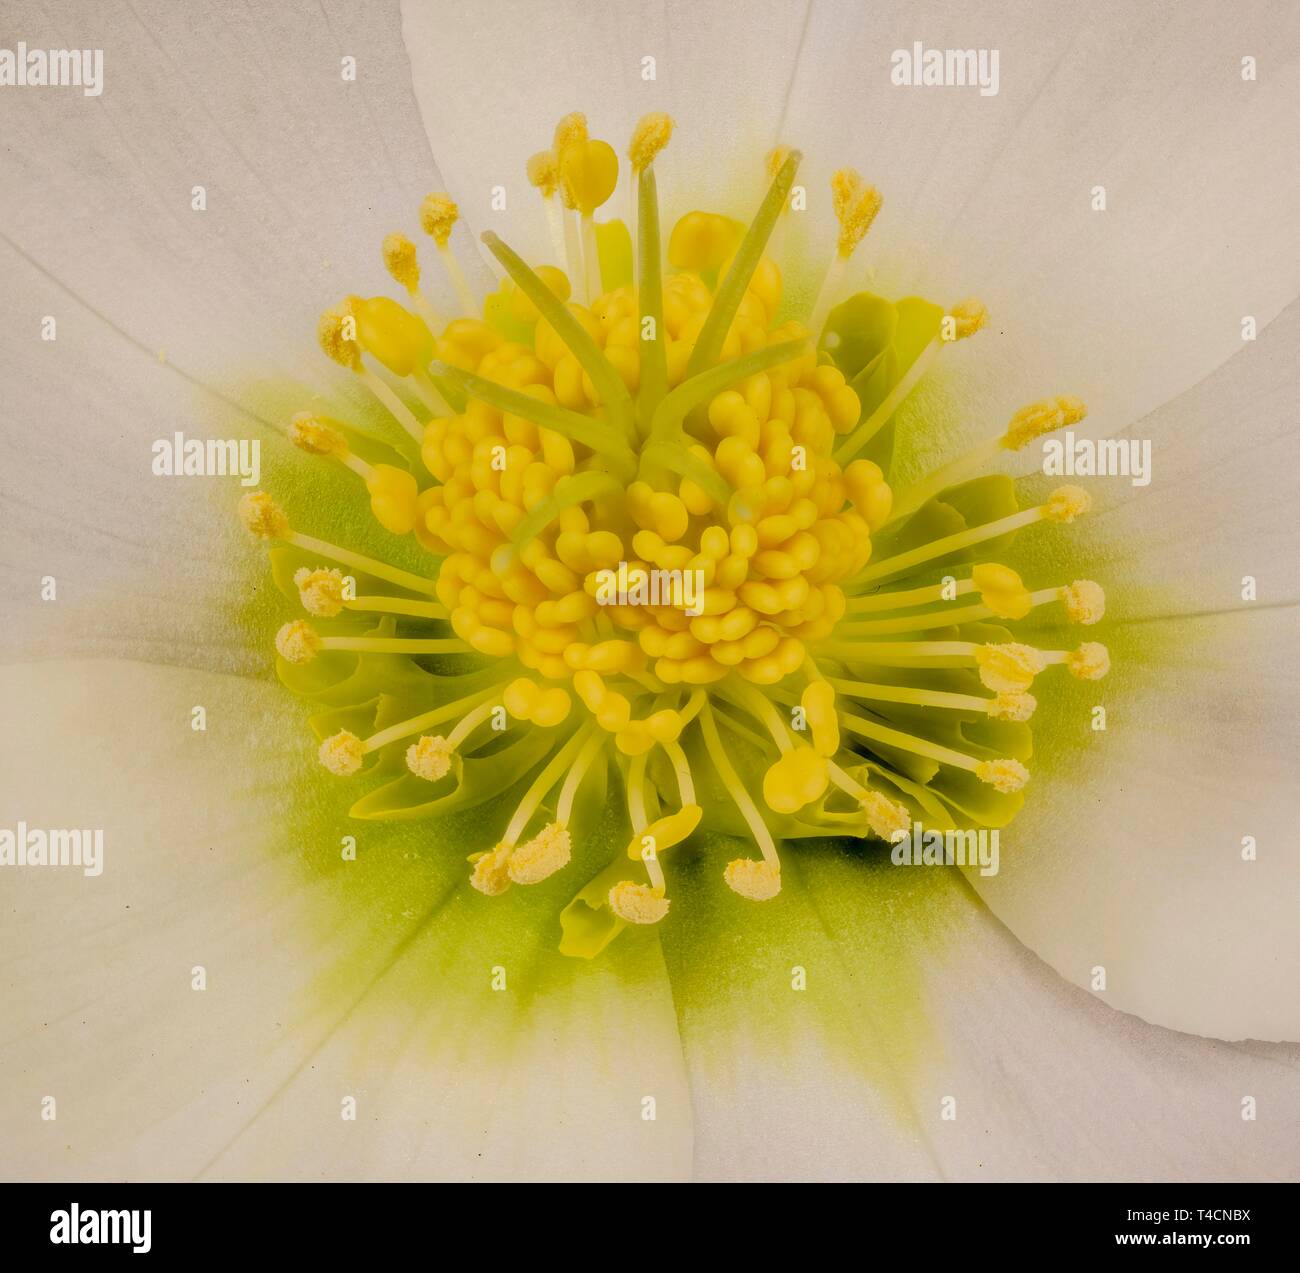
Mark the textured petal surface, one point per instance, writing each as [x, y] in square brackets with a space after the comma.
[1130, 855]
[929, 1044]
[321, 985]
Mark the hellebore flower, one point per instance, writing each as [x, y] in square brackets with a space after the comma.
[679, 946]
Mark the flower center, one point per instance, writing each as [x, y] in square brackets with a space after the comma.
[661, 535]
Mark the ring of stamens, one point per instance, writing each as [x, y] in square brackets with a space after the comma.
[672, 427]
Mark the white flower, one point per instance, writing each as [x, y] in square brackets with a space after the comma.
[328, 978]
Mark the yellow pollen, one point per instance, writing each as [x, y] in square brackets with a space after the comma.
[1005, 776]
[342, 753]
[1040, 418]
[336, 332]
[969, 316]
[757, 880]
[491, 874]
[263, 516]
[884, 816]
[1008, 668]
[438, 214]
[320, 590]
[775, 160]
[311, 434]
[429, 758]
[297, 641]
[544, 172]
[547, 852]
[571, 128]
[856, 205]
[1012, 705]
[637, 903]
[571, 131]
[1085, 602]
[569, 476]
[1066, 503]
[400, 261]
[1090, 662]
[651, 136]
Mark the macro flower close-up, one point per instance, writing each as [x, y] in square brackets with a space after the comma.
[695, 592]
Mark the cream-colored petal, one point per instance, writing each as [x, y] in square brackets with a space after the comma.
[493, 79]
[919, 1004]
[1128, 853]
[992, 195]
[325, 980]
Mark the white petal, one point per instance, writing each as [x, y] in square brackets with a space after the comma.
[304, 174]
[493, 80]
[321, 984]
[915, 995]
[992, 194]
[1128, 853]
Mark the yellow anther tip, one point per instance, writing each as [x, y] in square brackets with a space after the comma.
[884, 816]
[968, 317]
[401, 262]
[1066, 503]
[491, 873]
[757, 880]
[1012, 705]
[311, 434]
[775, 160]
[263, 516]
[651, 135]
[1072, 408]
[320, 591]
[429, 758]
[544, 172]
[1090, 662]
[637, 903]
[1040, 418]
[438, 214]
[1085, 601]
[297, 641]
[547, 852]
[571, 128]
[336, 343]
[1005, 776]
[342, 753]
[1008, 668]
[856, 205]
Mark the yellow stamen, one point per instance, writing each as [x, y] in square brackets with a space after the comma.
[856, 205]
[401, 262]
[1005, 776]
[320, 590]
[1040, 418]
[650, 137]
[637, 903]
[1009, 667]
[547, 852]
[1085, 601]
[968, 317]
[263, 516]
[1090, 662]
[438, 216]
[429, 758]
[759, 881]
[342, 753]
[1063, 505]
[266, 519]
[491, 874]
[297, 642]
[314, 435]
